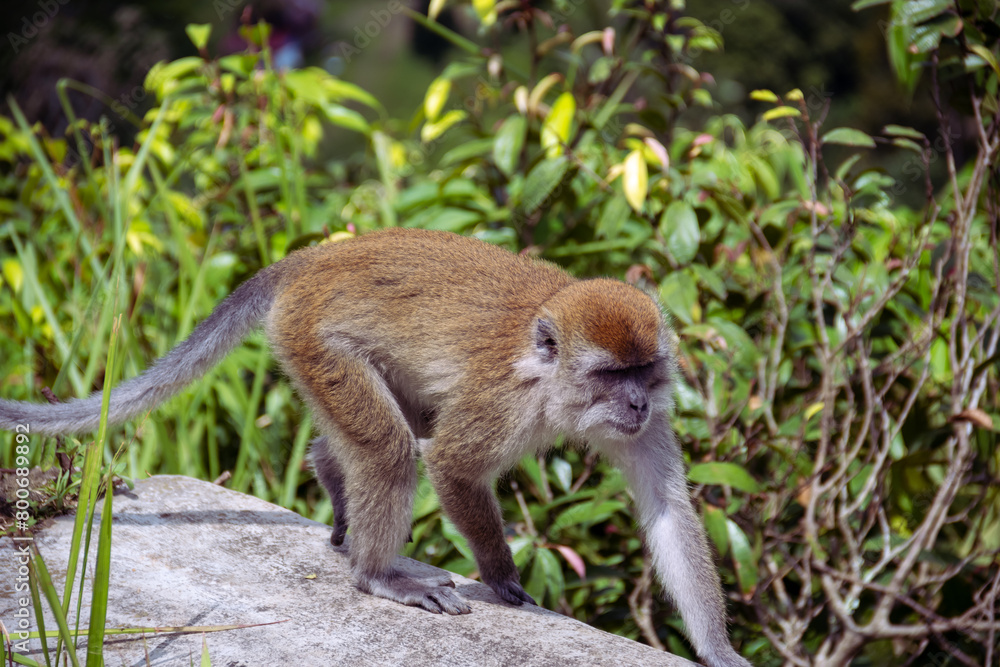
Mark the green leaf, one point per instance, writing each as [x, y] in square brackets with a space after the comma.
[762, 95]
[629, 244]
[163, 78]
[908, 145]
[903, 62]
[613, 216]
[925, 38]
[846, 166]
[563, 472]
[720, 472]
[679, 294]
[238, 63]
[508, 144]
[903, 131]
[915, 12]
[746, 564]
[780, 112]
[13, 272]
[468, 150]
[199, 33]
[715, 524]
[444, 218]
[986, 55]
[348, 118]
[529, 466]
[450, 531]
[434, 99]
[711, 280]
[848, 136]
[541, 181]
[679, 226]
[425, 501]
[635, 179]
[486, 10]
[764, 175]
[745, 352]
[600, 70]
[536, 583]
[431, 131]
[556, 129]
[555, 583]
[777, 214]
[587, 514]
[343, 90]
[858, 5]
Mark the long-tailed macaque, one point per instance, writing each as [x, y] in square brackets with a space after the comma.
[410, 342]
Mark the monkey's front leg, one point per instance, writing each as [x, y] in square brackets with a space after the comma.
[673, 530]
[473, 507]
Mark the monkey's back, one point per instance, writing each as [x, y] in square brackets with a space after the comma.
[411, 300]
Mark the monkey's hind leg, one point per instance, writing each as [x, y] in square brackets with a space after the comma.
[332, 478]
[369, 466]
[468, 499]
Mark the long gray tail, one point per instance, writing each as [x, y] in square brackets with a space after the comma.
[212, 339]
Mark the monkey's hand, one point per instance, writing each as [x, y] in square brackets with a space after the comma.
[434, 594]
[511, 592]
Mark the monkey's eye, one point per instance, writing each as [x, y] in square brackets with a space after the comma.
[656, 383]
[628, 371]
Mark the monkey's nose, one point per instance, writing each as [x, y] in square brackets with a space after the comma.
[640, 408]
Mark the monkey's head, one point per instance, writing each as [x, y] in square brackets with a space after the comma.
[600, 351]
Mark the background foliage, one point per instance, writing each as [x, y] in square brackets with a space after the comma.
[838, 349]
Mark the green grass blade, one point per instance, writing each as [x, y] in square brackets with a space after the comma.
[102, 574]
[36, 602]
[45, 582]
[249, 432]
[291, 485]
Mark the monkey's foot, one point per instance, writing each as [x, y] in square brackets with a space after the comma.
[435, 594]
[512, 592]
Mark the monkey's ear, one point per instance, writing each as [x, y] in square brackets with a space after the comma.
[545, 340]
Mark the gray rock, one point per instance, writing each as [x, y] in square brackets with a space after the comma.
[189, 553]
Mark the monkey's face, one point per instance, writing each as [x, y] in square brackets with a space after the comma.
[588, 391]
[616, 401]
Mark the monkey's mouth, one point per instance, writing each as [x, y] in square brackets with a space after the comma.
[628, 429]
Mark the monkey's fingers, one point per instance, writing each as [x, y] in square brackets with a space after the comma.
[512, 592]
[448, 601]
[436, 595]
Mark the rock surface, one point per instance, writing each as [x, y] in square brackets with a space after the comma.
[189, 553]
